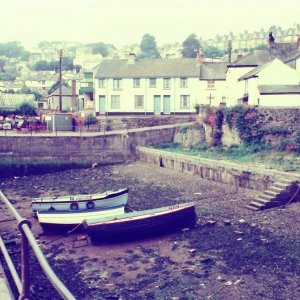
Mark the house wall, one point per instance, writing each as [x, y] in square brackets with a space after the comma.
[53, 102]
[234, 88]
[285, 100]
[217, 94]
[128, 92]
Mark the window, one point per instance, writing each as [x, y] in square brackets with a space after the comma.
[136, 82]
[101, 83]
[210, 84]
[152, 82]
[210, 99]
[183, 82]
[167, 83]
[115, 102]
[138, 101]
[117, 84]
[185, 101]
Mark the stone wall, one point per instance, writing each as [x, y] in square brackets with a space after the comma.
[219, 171]
[108, 148]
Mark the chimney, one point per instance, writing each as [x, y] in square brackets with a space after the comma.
[229, 51]
[271, 40]
[131, 58]
[200, 57]
[73, 90]
[239, 56]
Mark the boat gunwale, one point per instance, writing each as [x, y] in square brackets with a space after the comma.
[58, 201]
[125, 218]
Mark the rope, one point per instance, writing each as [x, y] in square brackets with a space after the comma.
[72, 230]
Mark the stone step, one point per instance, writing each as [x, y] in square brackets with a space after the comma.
[271, 193]
[276, 189]
[261, 200]
[266, 197]
[249, 206]
[282, 185]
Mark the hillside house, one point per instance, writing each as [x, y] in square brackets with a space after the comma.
[148, 86]
[69, 99]
[11, 101]
[272, 84]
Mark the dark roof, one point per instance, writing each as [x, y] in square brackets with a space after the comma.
[281, 51]
[213, 70]
[279, 89]
[120, 68]
[65, 91]
[255, 71]
[256, 58]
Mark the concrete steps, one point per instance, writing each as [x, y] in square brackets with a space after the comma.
[279, 194]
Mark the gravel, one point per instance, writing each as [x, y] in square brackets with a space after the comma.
[232, 253]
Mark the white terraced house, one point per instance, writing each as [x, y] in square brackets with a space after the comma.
[147, 86]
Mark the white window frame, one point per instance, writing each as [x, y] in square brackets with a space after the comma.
[117, 84]
[167, 83]
[139, 102]
[115, 102]
[101, 83]
[183, 82]
[136, 82]
[152, 82]
[184, 101]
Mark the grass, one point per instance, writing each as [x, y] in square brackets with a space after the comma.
[256, 155]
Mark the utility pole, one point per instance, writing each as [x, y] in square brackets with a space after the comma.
[60, 80]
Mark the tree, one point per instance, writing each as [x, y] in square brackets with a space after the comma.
[148, 47]
[190, 46]
[26, 109]
[41, 65]
[2, 64]
[101, 48]
[212, 52]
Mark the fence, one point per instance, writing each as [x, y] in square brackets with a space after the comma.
[27, 238]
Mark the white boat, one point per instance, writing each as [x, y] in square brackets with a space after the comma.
[60, 220]
[106, 200]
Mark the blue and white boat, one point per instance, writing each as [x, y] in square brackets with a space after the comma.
[82, 202]
[73, 220]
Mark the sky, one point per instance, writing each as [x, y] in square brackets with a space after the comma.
[124, 22]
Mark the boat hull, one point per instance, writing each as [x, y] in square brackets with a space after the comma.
[105, 200]
[143, 224]
[68, 220]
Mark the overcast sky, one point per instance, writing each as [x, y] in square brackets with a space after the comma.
[122, 22]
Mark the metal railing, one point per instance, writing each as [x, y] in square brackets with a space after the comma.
[27, 238]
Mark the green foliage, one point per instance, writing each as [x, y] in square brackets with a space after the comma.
[231, 114]
[249, 126]
[11, 49]
[184, 128]
[90, 119]
[213, 52]
[43, 65]
[200, 147]
[7, 76]
[277, 131]
[296, 138]
[190, 46]
[167, 146]
[197, 107]
[219, 119]
[26, 109]
[148, 47]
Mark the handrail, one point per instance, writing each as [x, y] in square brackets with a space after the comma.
[28, 238]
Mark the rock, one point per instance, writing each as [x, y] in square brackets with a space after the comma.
[239, 239]
[228, 283]
[242, 221]
[192, 250]
[211, 222]
[227, 222]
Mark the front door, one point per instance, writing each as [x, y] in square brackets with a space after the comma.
[157, 105]
[167, 105]
[102, 105]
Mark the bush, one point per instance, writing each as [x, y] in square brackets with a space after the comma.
[90, 119]
[26, 109]
[200, 147]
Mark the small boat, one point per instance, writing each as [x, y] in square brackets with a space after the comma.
[140, 224]
[104, 200]
[67, 220]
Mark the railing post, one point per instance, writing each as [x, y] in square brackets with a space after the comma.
[25, 272]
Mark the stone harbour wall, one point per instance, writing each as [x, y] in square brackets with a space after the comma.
[219, 171]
